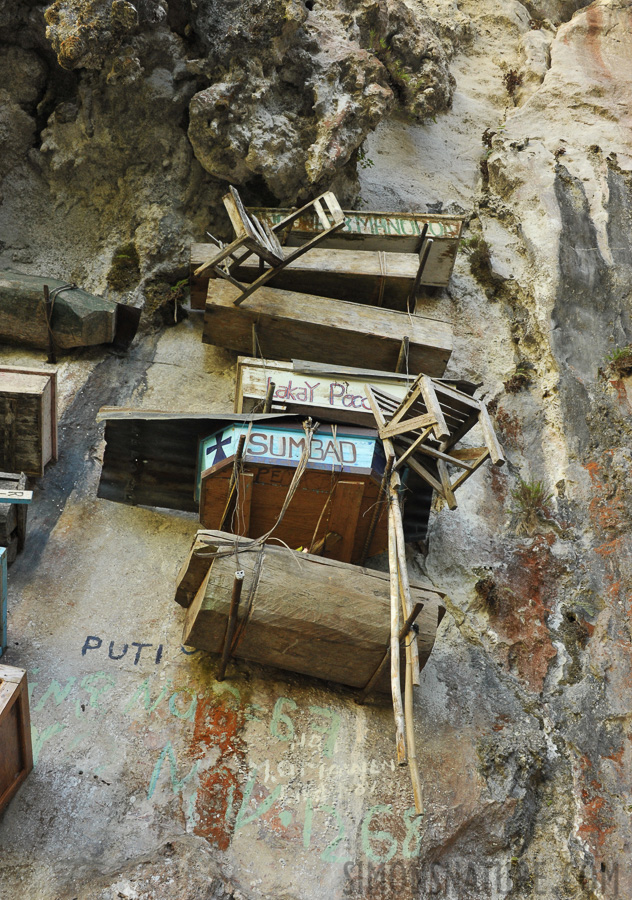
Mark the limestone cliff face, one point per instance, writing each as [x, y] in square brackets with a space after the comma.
[122, 122]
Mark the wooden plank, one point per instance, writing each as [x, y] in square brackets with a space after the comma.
[15, 496]
[244, 503]
[310, 615]
[339, 398]
[343, 517]
[327, 330]
[16, 754]
[353, 275]
[408, 425]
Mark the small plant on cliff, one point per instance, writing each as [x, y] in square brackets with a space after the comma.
[619, 362]
[531, 505]
[512, 81]
[364, 160]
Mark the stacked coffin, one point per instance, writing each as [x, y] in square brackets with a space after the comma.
[332, 453]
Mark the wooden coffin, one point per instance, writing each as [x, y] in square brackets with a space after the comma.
[78, 319]
[392, 232]
[12, 516]
[16, 755]
[315, 616]
[289, 324]
[314, 389]
[373, 278]
[28, 419]
[331, 511]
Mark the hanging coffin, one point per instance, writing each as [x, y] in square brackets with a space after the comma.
[73, 317]
[332, 505]
[318, 617]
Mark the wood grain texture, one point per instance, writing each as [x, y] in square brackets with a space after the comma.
[374, 278]
[334, 331]
[315, 616]
[320, 505]
[16, 755]
[28, 419]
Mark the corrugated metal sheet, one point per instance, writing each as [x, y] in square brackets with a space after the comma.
[151, 460]
[150, 457]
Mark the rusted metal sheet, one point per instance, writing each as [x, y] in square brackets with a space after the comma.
[151, 457]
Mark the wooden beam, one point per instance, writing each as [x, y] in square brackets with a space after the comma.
[415, 446]
[402, 567]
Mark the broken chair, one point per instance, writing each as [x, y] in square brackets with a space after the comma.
[422, 431]
[262, 240]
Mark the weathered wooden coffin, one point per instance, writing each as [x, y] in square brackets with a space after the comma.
[78, 319]
[392, 232]
[28, 419]
[12, 516]
[370, 277]
[289, 324]
[314, 389]
[16, 755]
[303, 613]
[331, 511]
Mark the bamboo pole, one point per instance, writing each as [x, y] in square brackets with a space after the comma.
[396, 688]
[410, 732]
[407, 603]
[235, 597]
[408, 624]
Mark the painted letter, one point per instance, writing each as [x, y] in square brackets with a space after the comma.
[90, 646]
[121, 655]
[140, 650]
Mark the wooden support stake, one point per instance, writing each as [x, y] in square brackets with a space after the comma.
[232, 621]
[267, 406]
[403, 354]
[396, 687]
[408, 624]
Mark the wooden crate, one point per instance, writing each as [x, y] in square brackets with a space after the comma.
[287, 325]
[16, 754]
[12, 516]
[28, 419]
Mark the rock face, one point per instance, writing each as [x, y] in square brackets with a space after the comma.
[121, 124]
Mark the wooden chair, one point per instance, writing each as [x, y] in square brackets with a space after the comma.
[262, 240]
[422, 431]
